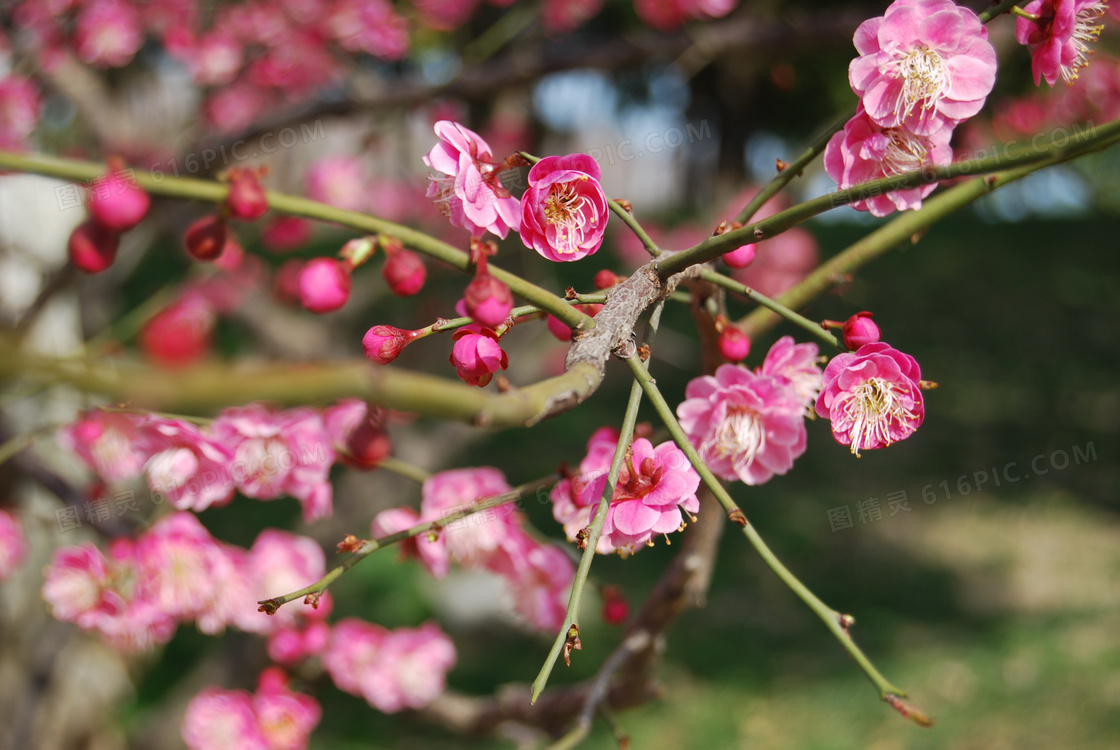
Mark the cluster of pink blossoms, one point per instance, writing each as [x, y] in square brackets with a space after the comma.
[538, 575]
[924, 67]
[272, 718]
[260, 452]
[393, 670]
[654, 486]
[176, 572]
[750, 425]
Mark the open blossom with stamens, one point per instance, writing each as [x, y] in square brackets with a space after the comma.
[465, 186]
[872, 397]
[864, 151]
[923, 64]
[564, 212]
[795, 365]
[1059, 40]
[745, 425]
[652, 489]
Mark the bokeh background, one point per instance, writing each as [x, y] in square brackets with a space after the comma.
[996, 607]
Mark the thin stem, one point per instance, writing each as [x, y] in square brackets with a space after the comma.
[833, 620]
[793, 169]
[1004, 7]
[730, 284]
[504, 30]
[404, 469]
[715, 246]
[216, 192]
[370, 546]
[595, 529]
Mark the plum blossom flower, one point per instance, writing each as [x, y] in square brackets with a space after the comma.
[113, 444]
[19, 112]
[795, 366]
[865, 151]
[392, 669]
[652, 489]
[371, 26]
[339, 181]
[278, 453]
[179, 563]
[872, 397]
[450, 491]
[564, 212]
[922, 65]
[477, 355]
[539, 577]
[218, 719]
[108, 33]
[1059, 40]
[13, 545]
[277, 563]
[745, 425]
[431, 552]
[286, 718]
[465, 185]
[187, 465]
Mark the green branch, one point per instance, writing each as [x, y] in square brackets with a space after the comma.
[777, 308]
[836, 622]
[368, 547]
[215, 192]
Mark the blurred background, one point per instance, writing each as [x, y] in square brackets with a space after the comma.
[990, 594]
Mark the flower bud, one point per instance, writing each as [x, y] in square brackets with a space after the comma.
[119, 203]
[246, 199]
[324, 285]
[859, 330]
[206, 238]
[477, 355]
[404, 272]
[488, 300]
[368, 444]
[734, 344]
[93, 247]
[286, 233]
[383, 344]
[606, 278]
[179, 334]
[560, 329]
[740, 257]
[616, 609]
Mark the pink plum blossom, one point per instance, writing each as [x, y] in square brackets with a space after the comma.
[1059, 40]
[564, 212]
[278, 453]
[280, 562]
[667, 15]
[294, 645]
[560, 16]
[339, 181]
[393, 670]
[450, 491]
[431, 552]
[187, 465]
[795, 366]
[652, 489]
[19, 112]
[13, 545]
[179, 563]
[286, 718]
[465, 185]
[113, 444]
[745, 425]
[923, 65]
[371, 26]
[218, 719]
[108, 33]
[477, 355]
[539, 577]
[865, 151]
[872, 398]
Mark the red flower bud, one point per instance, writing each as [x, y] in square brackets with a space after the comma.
[859, 330]
[93, 247]
[246, 198]
[734, 344]
[616, 609]
[740, 257]
[404, 272]
[488, 300]
[383, 344]
[605, 279]
[285, 285]
[324, 285]
[206, 238]
[368, 444]
[117, 202]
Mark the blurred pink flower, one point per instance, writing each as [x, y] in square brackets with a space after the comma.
[278, 563]
[339, 181]
[179, 565]
[465, 183]
[19, 112]
[746, 426]
[113, 444]
[187, 465]
[108, 33]
[431, 552]
[286, 718]
[471, 540]
[560, 16]
[872, 397]
[564, 212]
[1059, 40]
[923, 65]
[218, 719]
[371, 26]
[539, 577]
[13, 545]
